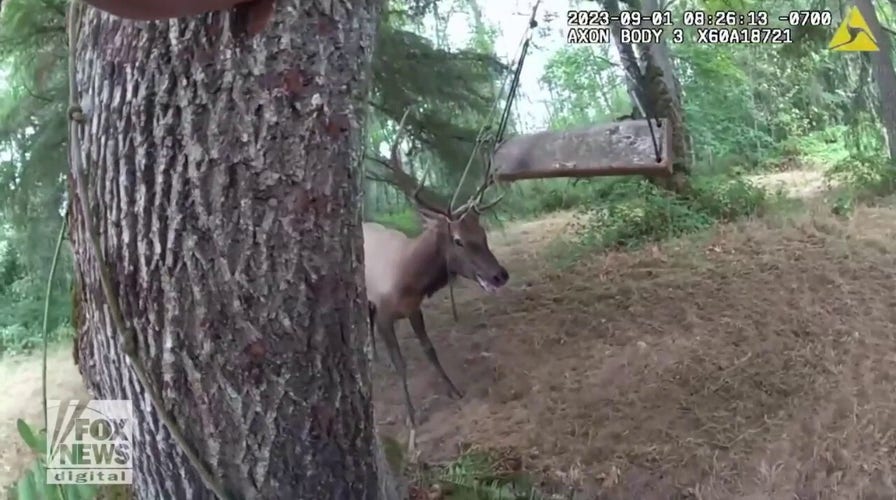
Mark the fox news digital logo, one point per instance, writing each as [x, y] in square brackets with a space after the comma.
[90, 443]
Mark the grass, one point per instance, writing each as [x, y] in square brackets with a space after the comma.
[475, 475]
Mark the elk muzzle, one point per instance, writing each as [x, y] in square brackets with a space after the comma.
[492, 283]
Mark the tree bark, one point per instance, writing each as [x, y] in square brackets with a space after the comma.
[652, 80]
[663, 92]
[224, 177]
[884, 73]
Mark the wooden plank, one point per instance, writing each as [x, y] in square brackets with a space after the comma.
[619, 148]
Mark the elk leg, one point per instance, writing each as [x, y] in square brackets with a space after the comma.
[416, 319]
[387, 330]
[371, 314]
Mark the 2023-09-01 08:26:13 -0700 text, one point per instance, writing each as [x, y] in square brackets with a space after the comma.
[741, 35]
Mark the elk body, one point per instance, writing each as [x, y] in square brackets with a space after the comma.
[401, 272]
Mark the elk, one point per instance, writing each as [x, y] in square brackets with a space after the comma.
[400, 272]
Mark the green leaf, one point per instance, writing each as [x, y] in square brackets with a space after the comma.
[37, 445]
[26, 488]
[81, 492]
[44, 490]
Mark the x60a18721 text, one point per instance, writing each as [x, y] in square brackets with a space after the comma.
[743, 35]
[587, 35]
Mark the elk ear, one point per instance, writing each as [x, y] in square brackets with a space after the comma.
[431, 217]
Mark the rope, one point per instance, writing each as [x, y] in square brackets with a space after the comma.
[47, 315]
[505, 118]
[128, 335]
[522, 50]
[656, 147]
[502, 127]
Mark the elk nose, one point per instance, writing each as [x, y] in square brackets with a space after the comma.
[501, 278]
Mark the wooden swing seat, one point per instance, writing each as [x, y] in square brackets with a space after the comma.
[618, 148]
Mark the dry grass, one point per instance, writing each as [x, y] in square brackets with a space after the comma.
[801, 183]
[759, 363]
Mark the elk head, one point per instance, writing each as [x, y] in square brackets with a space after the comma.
[460, 235]
[465, 246]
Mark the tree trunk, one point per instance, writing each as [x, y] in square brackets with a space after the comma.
[663, 93]
[626, 53]
[884, 73]
[225, 185]
[653, 81]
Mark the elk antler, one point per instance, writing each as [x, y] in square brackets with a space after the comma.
[480, 209]
[474, 203]
[404, 181]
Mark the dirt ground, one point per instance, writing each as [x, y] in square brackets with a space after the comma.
[758, 362]
[21, 398]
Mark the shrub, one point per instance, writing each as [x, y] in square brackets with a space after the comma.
[640, 212]
[727, 199]
[477, 475]
[860, 178]
[18, 339]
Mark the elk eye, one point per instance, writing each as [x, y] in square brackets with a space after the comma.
[458, 242]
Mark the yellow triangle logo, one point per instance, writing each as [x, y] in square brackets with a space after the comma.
[853, 34]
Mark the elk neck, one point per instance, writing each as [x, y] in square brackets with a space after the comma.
[427, 267]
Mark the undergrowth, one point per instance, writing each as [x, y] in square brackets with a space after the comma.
[475, 475]
[639, 212]
[860, 178]
[22, 339]
[823, 147]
